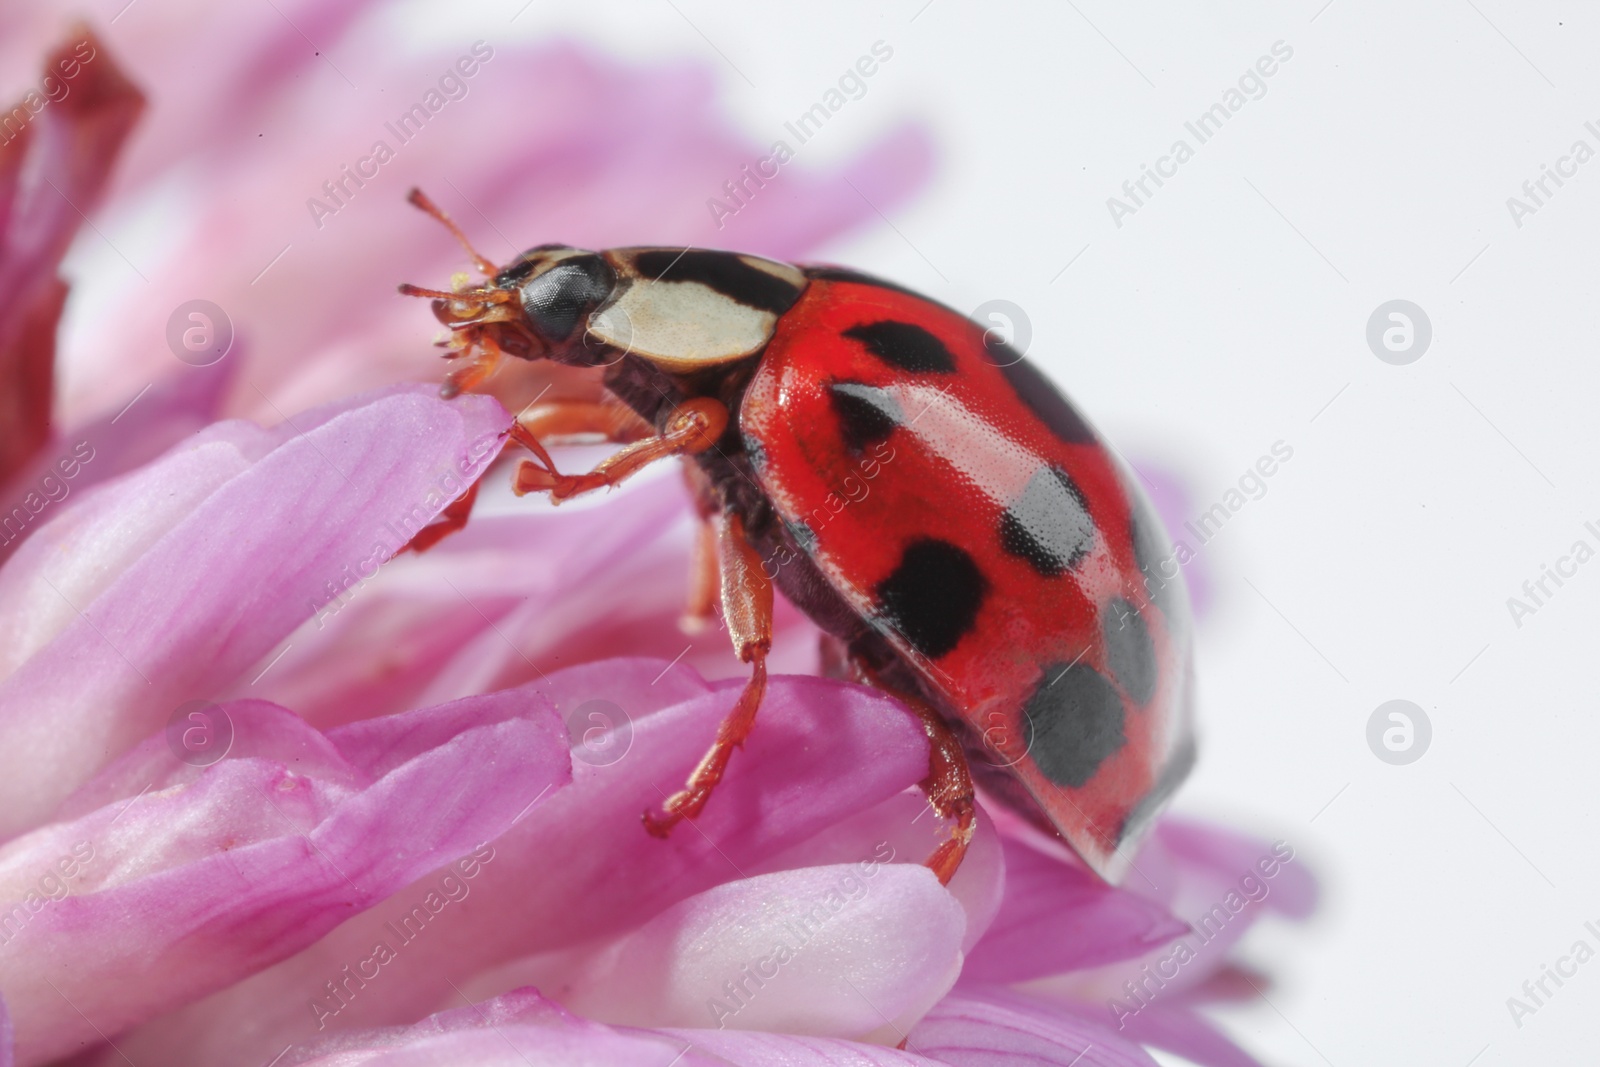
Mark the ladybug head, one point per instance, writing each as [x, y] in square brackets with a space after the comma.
[531, 309]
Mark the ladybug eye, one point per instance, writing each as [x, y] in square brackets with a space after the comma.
[558, 298]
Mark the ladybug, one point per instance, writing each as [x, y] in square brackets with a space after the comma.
[960, 532]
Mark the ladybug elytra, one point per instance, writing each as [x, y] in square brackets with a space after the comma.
[945, 515]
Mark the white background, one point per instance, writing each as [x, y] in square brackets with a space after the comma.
[1230, 313]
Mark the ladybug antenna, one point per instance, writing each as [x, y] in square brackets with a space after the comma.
[469, 296]
[420, 200]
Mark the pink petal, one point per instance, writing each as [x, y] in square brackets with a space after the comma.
[230, 579]
[192, 882]
[1002, 1029]
[837, 951]
[905, 828]
[526, 1029]
[521, 1024]
[1222, 857]
[1174, 503]
[761, 1049]
[140, 429]
[1219, 883]
[487, 605]
[84, 548]
[820, 751]
[1057, 916]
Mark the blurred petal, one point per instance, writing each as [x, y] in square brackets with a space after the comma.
[1057, 916]
[205, 876]
[601, 123]
[1187, 1033]
[1218, 858]
[1002, 1029]
[52, 170]
[580, 867]
[1174, 503]
[232, 576]
[1219, 883]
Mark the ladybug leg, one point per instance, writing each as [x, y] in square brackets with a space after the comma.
[747, 607]
[693, 427]
[704, 573]
[554, 420]
[452, 518]
[949, 781]
[551, 421]
[949, 789]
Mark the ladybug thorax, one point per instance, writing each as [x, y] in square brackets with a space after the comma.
[690, 309]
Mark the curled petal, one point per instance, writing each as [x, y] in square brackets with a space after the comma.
[906, 827]
[205, 876]
[234, 572]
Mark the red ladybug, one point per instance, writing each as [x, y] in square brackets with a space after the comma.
[920, 491]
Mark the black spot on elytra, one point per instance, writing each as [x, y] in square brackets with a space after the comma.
[557, 299]
[1047, 402]
[724, 272]
[1073, 723]
[933, 596]
[904, 345]
[1129, 652]
[1049, 524]
[867, 414]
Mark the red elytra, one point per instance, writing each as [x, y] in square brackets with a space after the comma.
[922, 492]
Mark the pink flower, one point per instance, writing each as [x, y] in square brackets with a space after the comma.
[274, 789]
